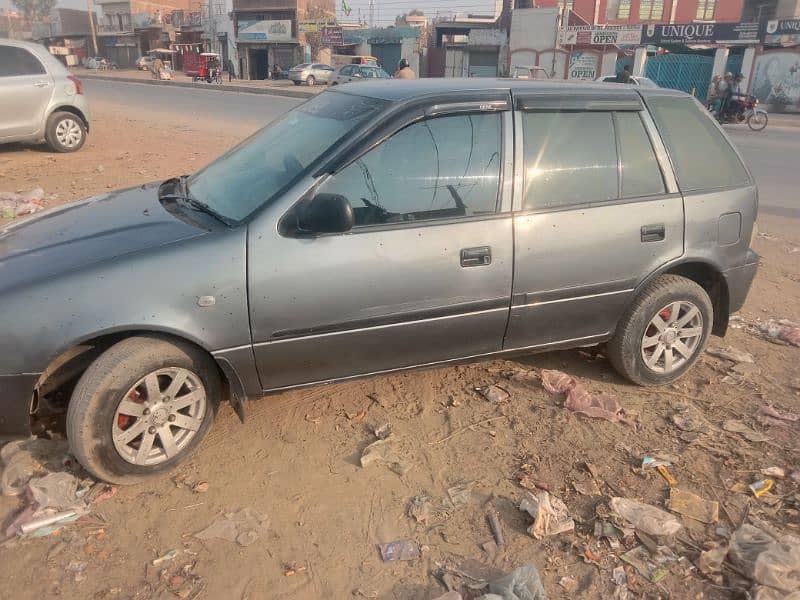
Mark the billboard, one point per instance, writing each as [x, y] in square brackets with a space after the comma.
[589, 35]
[265, 31]
[700, 33]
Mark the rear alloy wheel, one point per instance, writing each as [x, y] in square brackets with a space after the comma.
[663, 332]
[141, 408]
[65, 132]
[311, 80]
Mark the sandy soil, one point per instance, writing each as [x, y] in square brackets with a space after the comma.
[296, 459]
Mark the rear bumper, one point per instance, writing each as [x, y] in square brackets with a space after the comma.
[739, 280]
[16, 396]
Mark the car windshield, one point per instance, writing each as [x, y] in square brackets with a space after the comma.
[267, 163]
[301, 66]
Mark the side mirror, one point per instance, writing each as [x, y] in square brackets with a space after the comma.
[326, 213]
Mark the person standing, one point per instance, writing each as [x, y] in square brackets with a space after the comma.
[230, 69]
[712, 96]
[158, 66]
[404, 70]
[624, 76]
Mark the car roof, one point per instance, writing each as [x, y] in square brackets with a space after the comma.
[397, 90]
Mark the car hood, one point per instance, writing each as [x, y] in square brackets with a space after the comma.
[87, 232]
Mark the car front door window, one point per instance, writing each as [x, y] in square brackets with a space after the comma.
[441, 168]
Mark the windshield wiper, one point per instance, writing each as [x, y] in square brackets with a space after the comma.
[185, 196]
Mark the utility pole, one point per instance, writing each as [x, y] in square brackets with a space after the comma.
[372, 13]
[92, 26]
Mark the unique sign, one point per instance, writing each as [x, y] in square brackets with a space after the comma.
[701, 33]
[785, 32]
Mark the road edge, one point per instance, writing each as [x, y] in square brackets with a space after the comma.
[205, 86]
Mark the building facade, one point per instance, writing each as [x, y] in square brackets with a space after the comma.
[268, 34]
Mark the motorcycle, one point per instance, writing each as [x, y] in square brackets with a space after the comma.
[746, 111]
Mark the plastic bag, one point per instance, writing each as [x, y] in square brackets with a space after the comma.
[766, 560]
[647, 519]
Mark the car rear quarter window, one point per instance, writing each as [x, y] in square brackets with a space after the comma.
[570, 158]
[641, 175]
[701, 155]
[16, 61]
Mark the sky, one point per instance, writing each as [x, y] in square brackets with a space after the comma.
[385, 10]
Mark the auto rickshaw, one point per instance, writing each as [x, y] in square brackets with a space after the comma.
[209, 68]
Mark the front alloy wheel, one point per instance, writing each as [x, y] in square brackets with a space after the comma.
[142, 407]
[159, 416]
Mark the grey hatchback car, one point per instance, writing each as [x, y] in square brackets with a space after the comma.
[40, 101]
[378, 227]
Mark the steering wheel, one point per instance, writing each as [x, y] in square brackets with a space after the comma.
[291, 164]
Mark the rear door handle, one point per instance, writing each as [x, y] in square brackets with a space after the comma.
[653, 233]
[476, 257]
[40, 83]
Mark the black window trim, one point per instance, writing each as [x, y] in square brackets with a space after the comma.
[38, 61]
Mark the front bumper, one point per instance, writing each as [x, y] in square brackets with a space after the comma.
[16, 399]
[739, 280]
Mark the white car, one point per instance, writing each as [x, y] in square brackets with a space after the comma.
[40, 101]
[350, 73]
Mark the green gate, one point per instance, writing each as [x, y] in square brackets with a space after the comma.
[687, 72]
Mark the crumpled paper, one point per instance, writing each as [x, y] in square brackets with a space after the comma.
[550, 514]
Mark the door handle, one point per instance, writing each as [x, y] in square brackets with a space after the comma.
[653, 233]
[476, 257]
[40, 83]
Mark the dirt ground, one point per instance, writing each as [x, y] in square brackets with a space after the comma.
[296, 459]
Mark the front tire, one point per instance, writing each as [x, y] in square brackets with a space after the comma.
[663, 332]
[311, 80]
[757, 120]
[141, 408]
[65, 132]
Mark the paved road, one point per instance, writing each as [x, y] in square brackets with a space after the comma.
[773, 155]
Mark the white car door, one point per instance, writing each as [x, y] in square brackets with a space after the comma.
[25, 92]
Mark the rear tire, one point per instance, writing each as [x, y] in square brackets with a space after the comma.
[142, 407]
[685, 311]
[65, 132]
[311, 80]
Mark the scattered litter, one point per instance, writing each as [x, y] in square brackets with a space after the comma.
[16, 205]
[384, 452]
[568, 582]
[25, 458]
[165, 558]
[243, 527]
[667, 475]
[766, 409]
[493, 393]
[780, 331]
[769, 560]
[588, 487]
[579, 400]
[522, 583]
[732, 354]
[460, 494]
[55, 490]
[201, 487]
[759, 488]
[78, 568]
[41, 526]
[710, 561]
[653, 567]
[649, 462]
[734, 426]
[777, 472]
[609, 532]
[693, 506]
[399, 550]
[420, 509]
[646, 518]
[494, 526]
[620, 579]
[289, 571]
[689, 420]
[550, 514]
[383, 431]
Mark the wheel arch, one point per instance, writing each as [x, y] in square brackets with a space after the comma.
[53, 389]
[709, 277]
[70, 109]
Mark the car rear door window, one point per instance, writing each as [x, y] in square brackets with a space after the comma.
[445, 167]
[702, 157]
[18, 61]
[570, 158]
[641, 175]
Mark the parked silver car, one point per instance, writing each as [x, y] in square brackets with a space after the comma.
[350, 73]
[387, 226]
[40, 101]
[145, 63]
[310, 73]
[635, 80]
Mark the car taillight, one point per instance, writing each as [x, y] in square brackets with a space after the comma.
[78, 84]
